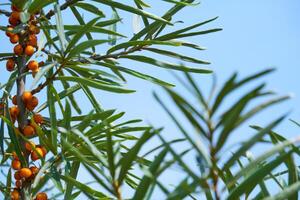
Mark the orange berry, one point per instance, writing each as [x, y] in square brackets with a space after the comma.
[29, 146]
[25, 172]
[10, 65]
[14, 38]
[32, 40]
[43, 149]
[34, 170]
[41, 196]
[16, 164]
[38, 118]
[15, 15]
[36, 154]
[32, 104]
[33, 65]
[17, 175]
[14, 111]
[12, 21]
[18, 50]
[29, 50]
[15, 195]
[9, 31]
[28, 131]
[27, 96]
[18, 184]
[14, 100]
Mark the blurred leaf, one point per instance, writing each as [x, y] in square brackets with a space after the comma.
[37, 5]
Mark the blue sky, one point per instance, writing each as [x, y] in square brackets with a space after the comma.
[256, 35]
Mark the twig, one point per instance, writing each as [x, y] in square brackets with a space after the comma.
[4, 12]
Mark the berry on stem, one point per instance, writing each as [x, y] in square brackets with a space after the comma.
[25, 173]
[10, 65]
[36, 154]
[38, 118]
[33, 65]
[29, 50]
[41, 196]
[16, 164]
[18, 50]
[29, 146]
[28, 131]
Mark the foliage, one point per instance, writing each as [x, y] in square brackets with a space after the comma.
[231, 171]
[70, 60]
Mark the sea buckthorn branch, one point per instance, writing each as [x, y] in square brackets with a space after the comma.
[24, 104]
[48, 80]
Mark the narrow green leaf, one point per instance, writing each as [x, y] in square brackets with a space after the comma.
[145, 183]
[80, 33]
[130, 156]
[165, 65]
[121, 6]
[142, 43]
[85, 45]
[95, 84]
[90, 8]
[37, 5]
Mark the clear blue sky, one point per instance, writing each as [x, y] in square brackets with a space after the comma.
[257, 34]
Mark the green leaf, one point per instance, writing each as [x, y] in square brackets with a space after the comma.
[130, 156]
[60, 28]
[37, 5]
[73, 173]
[165, 65]
[137, 74]
[142, 43]
[85, 45]
[176, 55]
[252, 141]
[90, 8]
[252, 165]
[85, 29]
[231, 85]
[286, 193]
[232, 115]
[121, 6]
[83, 187]
[113, 28]
[95, 84]
[145, 183]
[53, 120]
[256, 176]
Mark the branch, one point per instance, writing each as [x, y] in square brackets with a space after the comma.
[48, 80]
[94, 57]
[4, 12]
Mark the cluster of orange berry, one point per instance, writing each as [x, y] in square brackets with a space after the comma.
[24, 174]
[24, 36]
[26, 40]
